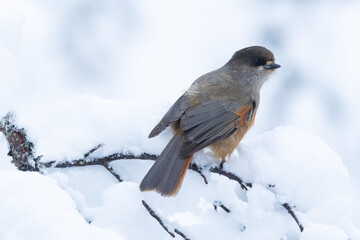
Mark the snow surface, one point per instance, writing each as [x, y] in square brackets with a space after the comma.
[82, 73]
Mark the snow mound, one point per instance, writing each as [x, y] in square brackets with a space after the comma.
[320, 231]
[33, 206]
[303, 169]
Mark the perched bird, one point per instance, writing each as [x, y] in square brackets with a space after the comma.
[216, 111]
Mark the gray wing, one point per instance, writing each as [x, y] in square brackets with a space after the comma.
[171, 116]
[207, 123]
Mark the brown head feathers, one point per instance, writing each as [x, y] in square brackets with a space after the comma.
[253, 56]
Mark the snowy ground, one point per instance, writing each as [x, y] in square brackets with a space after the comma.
[80, 74]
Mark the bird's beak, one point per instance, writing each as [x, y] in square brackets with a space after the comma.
[272, 66]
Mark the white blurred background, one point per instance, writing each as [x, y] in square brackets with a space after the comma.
[151, 51]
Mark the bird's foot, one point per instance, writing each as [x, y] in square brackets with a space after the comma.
[222, 164]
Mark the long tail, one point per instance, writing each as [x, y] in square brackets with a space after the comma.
[168, 171]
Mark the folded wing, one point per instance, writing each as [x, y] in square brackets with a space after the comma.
[209, 122]
[171, 116]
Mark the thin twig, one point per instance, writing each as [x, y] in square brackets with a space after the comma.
[232, 176]
[99, 161]
[181, 234]
[220, 204]
[161, 222]
[93, 150]
[292, 213]
[112, 172]
[197, 169]
[154, 215]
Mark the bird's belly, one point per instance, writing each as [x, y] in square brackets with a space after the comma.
[226, 146]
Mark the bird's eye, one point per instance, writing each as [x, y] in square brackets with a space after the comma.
[258, 62]
[255, 60]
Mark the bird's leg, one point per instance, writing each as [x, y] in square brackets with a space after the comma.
[222, 163]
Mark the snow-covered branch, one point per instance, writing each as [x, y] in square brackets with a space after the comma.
[20, 148]
[23, 157]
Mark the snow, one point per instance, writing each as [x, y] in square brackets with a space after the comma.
[86, 121]
[285, 151]
[79, 74]
[35, 207]
[320, 231]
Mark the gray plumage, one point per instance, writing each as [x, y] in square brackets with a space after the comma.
[210, 112]
[214, 125]
[164, 174]
[171, 116]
